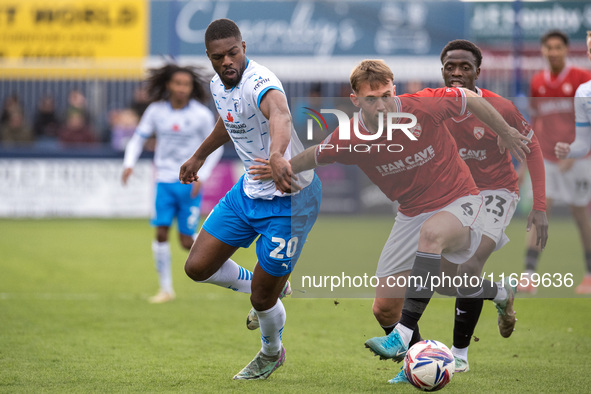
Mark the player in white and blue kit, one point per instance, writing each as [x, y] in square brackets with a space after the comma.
[253, 114]
[181, 123]
[580, 147]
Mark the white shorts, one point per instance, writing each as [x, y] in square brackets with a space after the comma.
[500, 206]
[572, 187]
[401, 247]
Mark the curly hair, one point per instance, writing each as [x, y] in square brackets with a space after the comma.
[159, 77]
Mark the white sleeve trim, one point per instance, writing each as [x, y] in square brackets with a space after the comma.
[133, 150]
[464, 102]
[582, 143]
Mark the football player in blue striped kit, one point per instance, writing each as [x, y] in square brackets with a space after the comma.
[255, 116]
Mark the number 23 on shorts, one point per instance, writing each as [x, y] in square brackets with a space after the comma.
[500, 205]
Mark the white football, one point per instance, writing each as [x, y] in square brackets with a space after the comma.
[429, 365]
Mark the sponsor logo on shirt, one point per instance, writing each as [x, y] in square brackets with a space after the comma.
[260, 81]
[234, 127]
[408, 163]
[467, 154]
[555, 105]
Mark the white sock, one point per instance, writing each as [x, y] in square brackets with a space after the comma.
[272, 321]
[501, 293]
[405, 333]
[460, 353]
[162, 259]
[231, 276]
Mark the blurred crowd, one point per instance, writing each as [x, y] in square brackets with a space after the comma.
[72, 127]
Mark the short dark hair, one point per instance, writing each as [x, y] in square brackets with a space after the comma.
[554, 34]
[158, 78]
[464, 45]
[220, 29]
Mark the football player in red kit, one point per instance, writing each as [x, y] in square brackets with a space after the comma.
[553, 119]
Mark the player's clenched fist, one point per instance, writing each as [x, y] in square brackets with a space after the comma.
[281, 173]
[562, 149]
[189, 170]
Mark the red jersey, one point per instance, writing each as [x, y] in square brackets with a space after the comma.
[426, 174]
[491, 170]
[553, 107]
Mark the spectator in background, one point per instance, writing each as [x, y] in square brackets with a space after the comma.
[47, 123]
[76, 131]
[123, 125]
[77, 104]
[10, 104]
[139, 103]
[15, 131]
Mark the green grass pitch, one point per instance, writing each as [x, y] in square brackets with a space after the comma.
[74, 317]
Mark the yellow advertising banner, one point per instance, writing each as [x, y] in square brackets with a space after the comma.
[72, 38]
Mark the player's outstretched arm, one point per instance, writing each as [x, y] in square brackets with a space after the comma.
[511, 138]
[302, 162]
[218, 137]
[537, 216]
[305, 160]
[274, 107]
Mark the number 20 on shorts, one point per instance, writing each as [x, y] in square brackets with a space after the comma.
[290, 250]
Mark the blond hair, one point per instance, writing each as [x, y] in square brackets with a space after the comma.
[373, 71]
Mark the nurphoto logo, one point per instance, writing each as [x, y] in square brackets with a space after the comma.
[344, 131]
